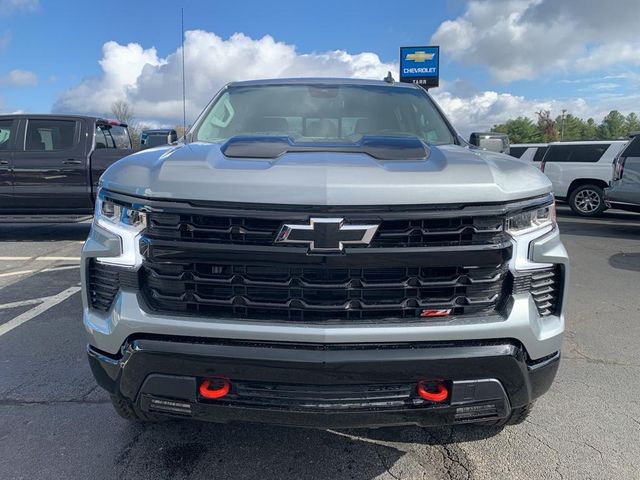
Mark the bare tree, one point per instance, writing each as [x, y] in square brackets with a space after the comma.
[547, 126]
[122, 111]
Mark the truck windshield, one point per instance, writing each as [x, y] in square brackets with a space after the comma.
[322, 113]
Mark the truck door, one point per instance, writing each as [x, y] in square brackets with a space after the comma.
[8, 130]
[112, 142]
[50, 172]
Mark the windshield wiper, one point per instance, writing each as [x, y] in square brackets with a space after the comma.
[378, 147]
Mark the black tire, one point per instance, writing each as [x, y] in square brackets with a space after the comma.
[518, 415]
[587, 200]
[129, 412]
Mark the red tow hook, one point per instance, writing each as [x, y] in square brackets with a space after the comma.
[215, 387]
[432, 391]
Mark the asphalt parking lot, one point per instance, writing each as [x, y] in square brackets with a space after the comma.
[55, 423]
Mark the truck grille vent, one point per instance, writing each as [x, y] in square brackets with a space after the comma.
[391, 233]
[105, 281]
[544, 286]
[322, 293]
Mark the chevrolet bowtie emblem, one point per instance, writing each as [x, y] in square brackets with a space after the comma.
[327, 235]
[419, 56]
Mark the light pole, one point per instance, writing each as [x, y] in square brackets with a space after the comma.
[562, 125]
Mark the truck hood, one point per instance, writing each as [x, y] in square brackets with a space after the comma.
[450, 174]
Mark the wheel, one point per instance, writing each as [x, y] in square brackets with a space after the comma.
[126, 410]
[587, 200]
[518, 415]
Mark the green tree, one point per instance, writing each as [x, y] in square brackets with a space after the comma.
[573, 128]
[520, 130]
[632, 123]
[613, 126]
[590, 131]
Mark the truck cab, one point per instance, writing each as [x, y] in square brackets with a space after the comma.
[51, 164]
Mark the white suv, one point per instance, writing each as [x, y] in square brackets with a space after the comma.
[528, 152]
[580, 171]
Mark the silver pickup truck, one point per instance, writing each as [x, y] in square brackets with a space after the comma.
[324, 253]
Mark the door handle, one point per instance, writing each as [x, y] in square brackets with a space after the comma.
[72, 161]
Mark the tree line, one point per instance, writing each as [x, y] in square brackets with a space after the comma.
[614, 126]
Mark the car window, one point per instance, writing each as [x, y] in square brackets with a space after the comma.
[576, 153]
[112, 136]
[155, 140]
[48, 135]
[517, 151]
[317, 113]
[6, 132]
[633, 148]
[540, 154]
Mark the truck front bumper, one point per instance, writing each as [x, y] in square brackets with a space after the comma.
[325, 385]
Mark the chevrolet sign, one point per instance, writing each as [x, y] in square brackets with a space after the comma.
[420, 65]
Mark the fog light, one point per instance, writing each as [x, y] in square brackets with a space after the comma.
[432, 391]
[215, 387]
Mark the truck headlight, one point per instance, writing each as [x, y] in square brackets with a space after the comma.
[125, 221]
[531, 220]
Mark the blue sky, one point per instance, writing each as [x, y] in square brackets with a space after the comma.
[499, 58]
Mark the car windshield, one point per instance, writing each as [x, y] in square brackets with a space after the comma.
[323, 113]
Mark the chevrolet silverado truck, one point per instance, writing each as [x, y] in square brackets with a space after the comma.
[324, 253]
[50, 164]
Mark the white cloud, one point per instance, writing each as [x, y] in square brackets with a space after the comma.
[524, 39]
[7, 7]
[19, 78]
[153, 85]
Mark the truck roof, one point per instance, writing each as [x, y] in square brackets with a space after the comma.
[322, 81]
[63, 115]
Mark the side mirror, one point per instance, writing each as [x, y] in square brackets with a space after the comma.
[493, 142]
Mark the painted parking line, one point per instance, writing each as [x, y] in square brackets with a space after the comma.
[12, 274]
[47, 303]
[22, 303]
[41, 259]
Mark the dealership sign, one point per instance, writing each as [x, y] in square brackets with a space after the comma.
[420, 65]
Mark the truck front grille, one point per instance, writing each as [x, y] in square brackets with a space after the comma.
[235, 230]
[320, 293]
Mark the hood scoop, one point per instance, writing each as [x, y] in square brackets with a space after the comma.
[378, 147]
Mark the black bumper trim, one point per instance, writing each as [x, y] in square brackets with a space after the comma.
[321, 365]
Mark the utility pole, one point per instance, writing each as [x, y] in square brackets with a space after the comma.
[562, 125]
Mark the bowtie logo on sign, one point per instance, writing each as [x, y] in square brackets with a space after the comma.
[420, 65]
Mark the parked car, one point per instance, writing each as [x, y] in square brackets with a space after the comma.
[624, 190]
[50, 164]
[157, 137]
[580, 171]
[528, 152]
[494, 142]
[326, 253]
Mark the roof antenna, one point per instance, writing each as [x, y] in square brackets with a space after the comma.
[184, 95]
[389, 78]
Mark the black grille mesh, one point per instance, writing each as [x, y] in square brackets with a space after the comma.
[391, 233]
[321, 293]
